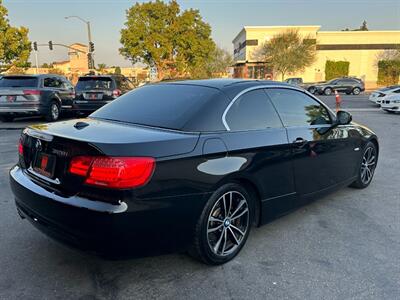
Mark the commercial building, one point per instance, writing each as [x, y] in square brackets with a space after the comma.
[362, 49]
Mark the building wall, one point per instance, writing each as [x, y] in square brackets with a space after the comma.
[361, 48]
[78, 60]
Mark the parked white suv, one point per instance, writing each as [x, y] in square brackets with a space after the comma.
[380, 95]
[391, 103]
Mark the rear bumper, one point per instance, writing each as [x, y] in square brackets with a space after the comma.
[89, 105]
[23, 109]
[129, 228]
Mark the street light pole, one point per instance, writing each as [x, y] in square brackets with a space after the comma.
[89, 35]
[37, 62]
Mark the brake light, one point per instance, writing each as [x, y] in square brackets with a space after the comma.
[32, 92]
[116, 93]
[20, 148]
[113, 172]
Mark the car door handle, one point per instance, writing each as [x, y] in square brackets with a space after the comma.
[300, 142]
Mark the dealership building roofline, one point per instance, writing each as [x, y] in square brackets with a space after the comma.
[362, 49]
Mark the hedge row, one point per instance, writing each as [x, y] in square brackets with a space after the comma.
[334, 69]
[388, 72]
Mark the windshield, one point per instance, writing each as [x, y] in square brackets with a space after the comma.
[18, 81]
[94, 83]
[174, 106]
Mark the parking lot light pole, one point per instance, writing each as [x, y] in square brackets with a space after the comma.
[88, 32]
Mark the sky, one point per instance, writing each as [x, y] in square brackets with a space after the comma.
[45, 20]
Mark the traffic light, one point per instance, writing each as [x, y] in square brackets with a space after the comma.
[50, 45]
[35, 46]
[91, 47]
[90, 61]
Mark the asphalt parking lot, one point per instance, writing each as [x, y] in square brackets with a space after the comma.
[344, 246]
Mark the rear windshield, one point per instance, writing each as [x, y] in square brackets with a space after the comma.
[94, 83]
[173, 106]
[18, 81]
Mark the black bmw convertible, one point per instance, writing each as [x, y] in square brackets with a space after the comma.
[189, 165]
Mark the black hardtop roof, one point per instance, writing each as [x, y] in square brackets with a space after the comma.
[223, 83]
[230, 87]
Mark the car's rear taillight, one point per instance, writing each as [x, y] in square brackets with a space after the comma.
[32, 92]
[20, 148]
[116, 93]
[113, 172]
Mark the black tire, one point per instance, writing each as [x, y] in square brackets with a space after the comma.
[348, 93]
[201, 247]
[51, 115]
[312, 90]
[360, 183]
[328, 91]
[6, 118]
[356, 91]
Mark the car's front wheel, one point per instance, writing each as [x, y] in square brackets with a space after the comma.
[367, 166]
[356, 91]
[224, 225]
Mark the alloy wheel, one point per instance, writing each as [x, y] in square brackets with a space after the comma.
[54, 111]
[368, 165]
[228, 223]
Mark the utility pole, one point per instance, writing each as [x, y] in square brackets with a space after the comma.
[90, 43]
[36, 57]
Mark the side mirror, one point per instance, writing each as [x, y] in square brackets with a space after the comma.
[343, 117]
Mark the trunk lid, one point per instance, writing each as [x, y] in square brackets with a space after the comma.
[54, 145]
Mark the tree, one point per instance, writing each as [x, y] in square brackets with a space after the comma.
[15, 47]
[288, 52]
[160, 35]
[363, 27]
[101, 67]
[117, 71]
[55, 71]
[46, 65]
[220, 61]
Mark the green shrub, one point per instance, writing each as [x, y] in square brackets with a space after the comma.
[335, 69]
[388, 72]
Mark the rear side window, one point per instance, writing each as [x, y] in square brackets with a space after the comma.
[53, 82]
[298, 109]
[174, 106]
[252, 111]
[18, 81]
[94, 83]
